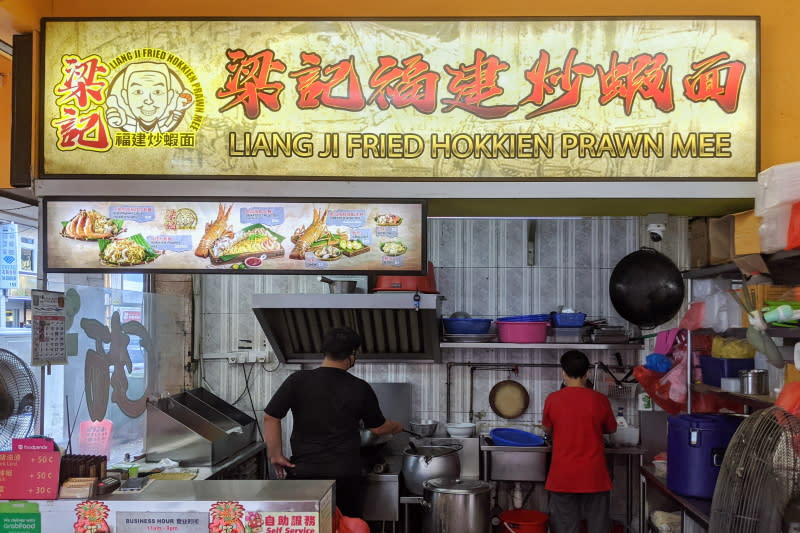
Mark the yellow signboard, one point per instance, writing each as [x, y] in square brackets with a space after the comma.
[513, 100]
[266, 236]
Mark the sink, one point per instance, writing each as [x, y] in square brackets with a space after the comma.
[515, 463]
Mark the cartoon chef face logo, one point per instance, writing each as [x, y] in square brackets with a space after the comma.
[147, 97]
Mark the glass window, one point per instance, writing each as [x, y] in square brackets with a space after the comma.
[115, 362]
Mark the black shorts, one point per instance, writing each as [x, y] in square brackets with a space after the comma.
[567, 509]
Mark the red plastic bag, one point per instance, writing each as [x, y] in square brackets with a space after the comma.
[693, 319]
[793, 232]
[789, 398]
[346, 524]
[655, 384]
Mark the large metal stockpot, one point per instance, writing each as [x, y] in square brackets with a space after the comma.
[427, 462]
[456, 506]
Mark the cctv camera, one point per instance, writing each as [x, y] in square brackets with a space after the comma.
[656, 231]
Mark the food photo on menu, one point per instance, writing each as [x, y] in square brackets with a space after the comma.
[237, 236]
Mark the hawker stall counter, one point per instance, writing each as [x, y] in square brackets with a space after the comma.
[200, 507]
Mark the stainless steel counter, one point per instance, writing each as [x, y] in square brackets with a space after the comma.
[299, 493]
[548, 449]
[382, 491]
[207, 472]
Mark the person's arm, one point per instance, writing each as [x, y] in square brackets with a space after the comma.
[547, 423]
[389, 427]
[274, 442]
[276, 409]
[609, 421]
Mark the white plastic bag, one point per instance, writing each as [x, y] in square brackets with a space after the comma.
[777, 185]
[774, 228]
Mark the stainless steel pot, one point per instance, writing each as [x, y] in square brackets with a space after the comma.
[427, 462]
[754, 382]
[339, 286]
[456, 505]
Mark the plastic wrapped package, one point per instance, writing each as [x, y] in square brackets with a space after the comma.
[774, 228]
[721, 312]
[777, 185]
[702, 288]
[731, 348]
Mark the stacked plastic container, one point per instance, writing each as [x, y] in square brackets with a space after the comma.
[523, 329]
[777, 195]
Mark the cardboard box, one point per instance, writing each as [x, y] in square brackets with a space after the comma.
[720, 240]
[746, 239]
[698, 242]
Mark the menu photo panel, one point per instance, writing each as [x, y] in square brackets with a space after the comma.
[261, 236]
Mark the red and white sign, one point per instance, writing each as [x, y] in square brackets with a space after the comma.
[32, 445]
[95, 437]
[29, 475]
[131, 316]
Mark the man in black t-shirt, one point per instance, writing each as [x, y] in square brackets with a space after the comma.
[327, 405]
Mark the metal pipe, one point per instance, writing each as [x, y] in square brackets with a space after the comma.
[689, 359]
[472, 370]
[447, 394]
[450, 365]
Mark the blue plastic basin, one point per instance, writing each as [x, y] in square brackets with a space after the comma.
[525, 318]
[514, 437]
[466, 326]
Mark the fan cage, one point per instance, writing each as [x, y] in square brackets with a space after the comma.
[760, 474]
[18, 382]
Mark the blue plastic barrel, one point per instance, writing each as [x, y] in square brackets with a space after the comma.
[695, 447]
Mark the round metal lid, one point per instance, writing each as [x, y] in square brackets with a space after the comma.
[456, 486]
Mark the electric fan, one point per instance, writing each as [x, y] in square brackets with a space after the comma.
[760, 475]
[19, 399]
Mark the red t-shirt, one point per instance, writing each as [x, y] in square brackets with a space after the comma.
[578, 418]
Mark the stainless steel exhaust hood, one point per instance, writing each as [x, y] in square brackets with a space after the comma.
[394, 328]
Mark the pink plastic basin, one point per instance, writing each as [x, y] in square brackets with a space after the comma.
[522, 332]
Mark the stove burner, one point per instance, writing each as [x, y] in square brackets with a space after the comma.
[373, 461]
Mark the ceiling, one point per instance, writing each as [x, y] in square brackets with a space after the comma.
[17, 208]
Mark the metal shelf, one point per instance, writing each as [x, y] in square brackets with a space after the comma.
[731, 268]
[757, 402]
[540, 346]
[741, 333]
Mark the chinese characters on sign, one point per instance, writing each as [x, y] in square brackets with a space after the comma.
[109, 364]
[606, 105]
[29, 475]
[144, 103]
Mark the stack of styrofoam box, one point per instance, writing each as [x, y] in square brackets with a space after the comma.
[778, 189]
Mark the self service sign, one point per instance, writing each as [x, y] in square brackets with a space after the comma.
[513, 100]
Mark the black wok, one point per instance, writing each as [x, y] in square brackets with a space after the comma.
[646, 288]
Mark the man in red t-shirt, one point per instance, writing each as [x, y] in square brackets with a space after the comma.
[578, 481]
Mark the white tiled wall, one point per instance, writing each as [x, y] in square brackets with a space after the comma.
[481, 268]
